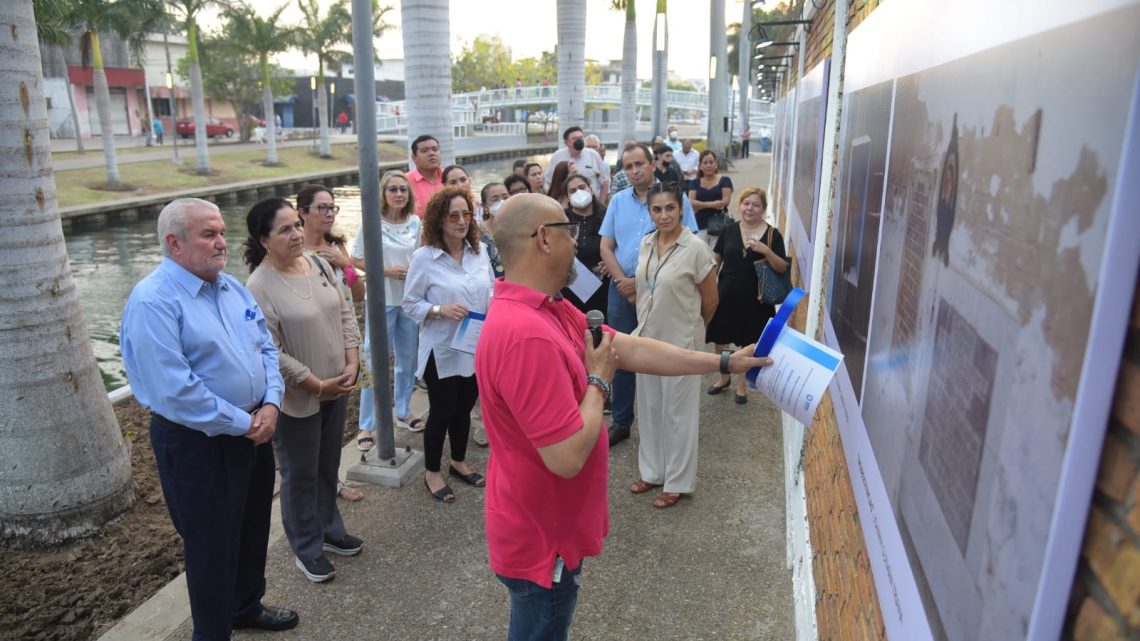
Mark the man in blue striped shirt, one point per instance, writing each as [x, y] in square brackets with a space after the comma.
[199, 357]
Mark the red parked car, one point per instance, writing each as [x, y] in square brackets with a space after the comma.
[214, 128]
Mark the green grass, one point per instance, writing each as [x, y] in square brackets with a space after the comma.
[76, 186]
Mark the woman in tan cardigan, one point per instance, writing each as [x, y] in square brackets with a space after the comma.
[316, 335]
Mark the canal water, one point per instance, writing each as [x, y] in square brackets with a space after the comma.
[107, 261]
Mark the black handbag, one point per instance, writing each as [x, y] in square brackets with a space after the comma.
[772, 286]
[717, 223]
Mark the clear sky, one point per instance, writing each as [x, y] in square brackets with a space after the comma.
[529, 27]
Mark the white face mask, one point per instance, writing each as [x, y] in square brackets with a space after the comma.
[496, 206]
[581, 199]
[672, 135]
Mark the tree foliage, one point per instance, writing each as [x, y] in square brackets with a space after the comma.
[487, 63]
[787, 10]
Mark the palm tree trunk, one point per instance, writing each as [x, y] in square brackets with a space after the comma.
[103, 106]
[571, 63]
[323, 111]
[744, 65]
[629, 75]
[427, 65]
[660, 69]
[198, 98]
[64, 469]
[58, 51]
[267, 113]
[718, 99]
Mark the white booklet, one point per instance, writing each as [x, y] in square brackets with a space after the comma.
[586, 283]
[468, 333]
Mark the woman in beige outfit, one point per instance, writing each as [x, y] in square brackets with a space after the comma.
[676, 297]
[315, 331]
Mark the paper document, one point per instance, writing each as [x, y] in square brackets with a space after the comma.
[799, 375]
[801, 369]
[586, 283]
[468, 333]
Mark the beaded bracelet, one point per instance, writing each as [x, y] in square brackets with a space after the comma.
[603, 387]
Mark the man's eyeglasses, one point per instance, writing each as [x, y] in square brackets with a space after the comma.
[396, 190]
[324, 210]
[571, 228]
[456, 216]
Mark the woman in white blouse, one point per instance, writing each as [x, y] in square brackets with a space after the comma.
[400, 232]
[449, 277]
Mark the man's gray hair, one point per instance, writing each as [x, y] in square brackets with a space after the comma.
[592, 138]
[172, 219]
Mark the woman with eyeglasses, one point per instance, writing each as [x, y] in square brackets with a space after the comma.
[314, 329]
[585, 210]
[516, 184]
[400, 236]
[449, 277]
[676, 298]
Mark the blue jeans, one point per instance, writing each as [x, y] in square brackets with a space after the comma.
[622, 316]
[538, 614]
[403, 341]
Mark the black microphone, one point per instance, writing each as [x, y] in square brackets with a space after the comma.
[594, 320]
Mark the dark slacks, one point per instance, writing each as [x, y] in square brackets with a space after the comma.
[219, 491]
[308, 450]
[451, 401]
[622, 316]
[539, 614]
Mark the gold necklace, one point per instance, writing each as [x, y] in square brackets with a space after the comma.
[308, 281]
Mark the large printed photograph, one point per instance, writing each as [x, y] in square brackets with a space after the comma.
[809, 113]
[996, 203]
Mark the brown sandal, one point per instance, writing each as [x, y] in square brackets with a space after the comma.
[667, 499]
[641, 487]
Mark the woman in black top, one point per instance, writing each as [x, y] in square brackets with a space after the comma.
[709, 192]
[585, 210]
[741, 316]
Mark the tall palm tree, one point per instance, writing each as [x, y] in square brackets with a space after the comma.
[628, 70]
[262, 37]
[660, 68]
[52, 31]
[427, 67]
[187, 12]
[64, 469]
[127, 18]
[571, 63]
[324, 37]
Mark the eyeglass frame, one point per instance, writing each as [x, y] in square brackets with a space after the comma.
[328, 209]
[573, 229]
[459, 215]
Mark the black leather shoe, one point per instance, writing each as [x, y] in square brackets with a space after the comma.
[271, 618]
[617, 434]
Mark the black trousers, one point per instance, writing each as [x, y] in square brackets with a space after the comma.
[219, 491]
[308, 450]
[451, 401]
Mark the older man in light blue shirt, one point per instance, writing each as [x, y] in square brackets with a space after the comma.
[199, 357]
[627, 221]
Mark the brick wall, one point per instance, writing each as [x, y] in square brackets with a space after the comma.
[1105, 600]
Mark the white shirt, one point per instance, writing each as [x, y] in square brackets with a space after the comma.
[687, 161]
[434, 278]
[589, 164]
[400, 240]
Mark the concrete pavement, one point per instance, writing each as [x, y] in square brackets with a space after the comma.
[712, 567]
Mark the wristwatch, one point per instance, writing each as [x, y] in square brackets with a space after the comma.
[725, 354]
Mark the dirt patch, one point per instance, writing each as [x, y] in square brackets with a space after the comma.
[78, 591]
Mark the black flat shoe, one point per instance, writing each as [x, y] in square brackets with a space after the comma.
[470, 479]
[741, 399]
[443, 494]
[271, 618]
[714, 389]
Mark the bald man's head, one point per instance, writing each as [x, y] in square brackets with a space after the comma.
[517, 220]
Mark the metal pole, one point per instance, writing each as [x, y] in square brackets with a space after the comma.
[170, 96]
[367, 154]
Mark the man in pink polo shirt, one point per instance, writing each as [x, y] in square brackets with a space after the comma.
[543, 386]
[425, 178]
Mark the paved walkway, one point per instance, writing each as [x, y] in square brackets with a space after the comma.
[713, 567]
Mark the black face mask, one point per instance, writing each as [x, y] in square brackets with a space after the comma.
[579, 145]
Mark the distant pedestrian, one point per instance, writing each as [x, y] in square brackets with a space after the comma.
[342, 122]
[156, 125]
[745, 137]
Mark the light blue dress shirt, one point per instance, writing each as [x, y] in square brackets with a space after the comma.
[198, 353]
[627, 221]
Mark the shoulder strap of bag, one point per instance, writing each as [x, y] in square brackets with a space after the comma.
[321, 266]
